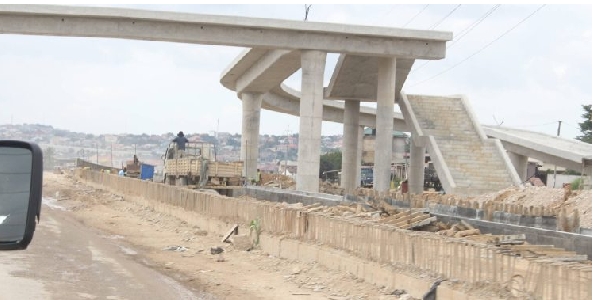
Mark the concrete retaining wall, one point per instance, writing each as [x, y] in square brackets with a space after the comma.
[381, 245]
[538, 229]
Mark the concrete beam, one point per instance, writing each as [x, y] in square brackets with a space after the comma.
[221, 30]
[289, 102]
[311, 119]
[543, 156]
[269, 71]
[355, 77]
[520, 163]
[565, 149]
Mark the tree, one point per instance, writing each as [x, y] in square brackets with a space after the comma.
[586, 126]
[330, 161]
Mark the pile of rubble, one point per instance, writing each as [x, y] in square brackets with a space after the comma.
[555, 199]
[277, 180]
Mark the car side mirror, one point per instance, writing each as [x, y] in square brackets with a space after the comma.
[21, 168]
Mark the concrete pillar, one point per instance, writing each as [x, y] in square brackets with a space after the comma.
[311, 117]
[350, 145]
[416, 173]
[251, 103]
[386, 81]
[586, 178]
[360, 142]
[520, 164]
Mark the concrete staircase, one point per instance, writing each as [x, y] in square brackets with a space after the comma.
[467, 162]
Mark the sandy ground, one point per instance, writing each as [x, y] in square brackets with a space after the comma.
[243, 274]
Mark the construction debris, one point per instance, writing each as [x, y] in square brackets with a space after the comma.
[243, 243]
[232, 231]
[175, 248]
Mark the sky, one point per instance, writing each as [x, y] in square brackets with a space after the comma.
[518, 71]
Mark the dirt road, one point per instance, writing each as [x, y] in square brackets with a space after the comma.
[70, 261]
[126, 244]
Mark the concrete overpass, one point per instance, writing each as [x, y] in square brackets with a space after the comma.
[520, 144]
[278, 47]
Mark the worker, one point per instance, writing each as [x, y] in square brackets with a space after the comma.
[180, 141]
[258, 176]
[123, 172]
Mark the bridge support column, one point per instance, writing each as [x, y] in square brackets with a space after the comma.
[361, 135]
[251, 104]
[311, 117]
[520, 164]
[350, 145]
[386, 81]
[416, 173]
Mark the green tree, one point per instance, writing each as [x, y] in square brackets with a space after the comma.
[330, 161]
[586, 126]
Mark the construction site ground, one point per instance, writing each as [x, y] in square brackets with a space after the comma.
[183, 251]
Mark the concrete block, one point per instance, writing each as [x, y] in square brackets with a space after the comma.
[415, 287]
[307, 253]
[328, 258]
[445, 292]
[271, 245]
[242, 242]
[289, 249]
[383, 275]
[512, 218]
[479, 214]
[528, 221]
[548, 222]
[466, 212]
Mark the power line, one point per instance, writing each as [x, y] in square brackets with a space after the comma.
[571, 125]
[411, 19]
[484, 47]
[465, 31]
[445, 17]
[534, 125]
[389, 11]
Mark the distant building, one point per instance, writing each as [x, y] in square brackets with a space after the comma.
[399, 143]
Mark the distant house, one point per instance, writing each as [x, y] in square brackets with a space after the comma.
[399, 143]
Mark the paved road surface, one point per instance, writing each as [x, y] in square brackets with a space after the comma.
[67, 260]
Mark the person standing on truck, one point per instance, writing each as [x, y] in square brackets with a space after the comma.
[180, 141]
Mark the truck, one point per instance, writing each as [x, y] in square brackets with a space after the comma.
[137, 169]
[197, 166]
[366, 176]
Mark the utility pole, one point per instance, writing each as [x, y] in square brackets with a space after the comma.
[216, 144]
[96, 153]
[287, 146]
[557, 134]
